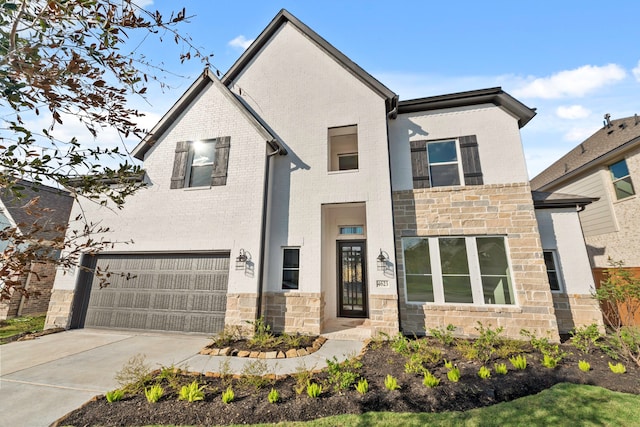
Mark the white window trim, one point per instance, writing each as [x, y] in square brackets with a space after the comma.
[558, 270]
[474, 273]
[613, 181]
[458, 162]
[187, 182]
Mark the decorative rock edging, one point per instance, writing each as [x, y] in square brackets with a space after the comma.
[229, 351]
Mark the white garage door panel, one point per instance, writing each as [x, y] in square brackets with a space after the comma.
[169, 292]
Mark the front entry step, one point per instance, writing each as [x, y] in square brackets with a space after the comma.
[347, 329]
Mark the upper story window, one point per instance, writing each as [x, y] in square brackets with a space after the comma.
[459, 270]
[446, 162]
[343, 148]
[201, 163]
[621, 180]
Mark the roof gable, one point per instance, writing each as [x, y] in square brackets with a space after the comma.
[284, 17]
[595, 150]
[206, 78]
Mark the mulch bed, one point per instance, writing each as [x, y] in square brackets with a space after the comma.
[251, 405]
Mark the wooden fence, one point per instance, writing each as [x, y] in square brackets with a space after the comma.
[599, 276]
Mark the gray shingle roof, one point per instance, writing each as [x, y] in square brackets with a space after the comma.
[609, 140]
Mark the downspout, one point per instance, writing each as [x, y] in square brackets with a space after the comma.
[263, 232]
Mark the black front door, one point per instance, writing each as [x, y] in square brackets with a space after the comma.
[352, 289]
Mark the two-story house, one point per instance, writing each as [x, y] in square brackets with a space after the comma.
[300, 188]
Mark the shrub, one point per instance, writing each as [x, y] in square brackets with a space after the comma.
[584, 366]
[400, 344]
[114, 395]
[273, 396]
[484, 372]
[303, 377]
[254, 373]
[454, 375]
[444, 335]
[618, 368]
[262, 336]
[619, 295]
[342, 375]
[362, 387]
[228, 395]
[519, 362]
[314, 390]
[172, 375]
[154, 393]
[552, 354]
[134, 375]
[549, 361]
[391, 383]
[500, 368]
[226, 337]
[487, 342]
[430, 380]
[585, 338]
[192, 392]
[448, 364]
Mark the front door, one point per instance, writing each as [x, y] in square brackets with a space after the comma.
[352, 289]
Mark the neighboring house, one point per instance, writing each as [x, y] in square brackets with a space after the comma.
[299, 188]
[604, 166]
[46, 220]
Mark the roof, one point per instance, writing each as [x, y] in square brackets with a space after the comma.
[58, 201]
[544, 200]
[282, 18]
[207, 77]
[599, 148]
[494, 95]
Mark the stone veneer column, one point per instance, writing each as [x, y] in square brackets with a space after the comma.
[59, 313]
[576, 310]
[383, 314]
[241, 309]
[477, 210]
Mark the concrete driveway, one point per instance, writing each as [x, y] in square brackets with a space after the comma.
[43, 379]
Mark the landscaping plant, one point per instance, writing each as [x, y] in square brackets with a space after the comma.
[391, 383]
[487, 342]
[114, 395]
[551, 353]
[363, 386]
[273, 396]
[585, 338]
[584, 366]
[314, 390]
[454, 374]
[342, 375]
[430, 380]
[549, 361]
[618, 368]
[133, 376]
[519, 362]
[154, 393]
[484, 372]
[192, 392]
[448, 364]
[228, 395]
[444, 335]
[254, 374]
[500, 368]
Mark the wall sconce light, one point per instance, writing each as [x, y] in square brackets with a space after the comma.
[382, 260]
[241, 259]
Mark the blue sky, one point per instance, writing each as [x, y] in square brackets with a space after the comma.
[572, 60]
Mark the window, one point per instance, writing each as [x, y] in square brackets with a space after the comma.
[343, 148]
[621, 180]
[201, 163]
[291, 268]
[552, 270]
[351, 229]
[440, 163]
[458, 270]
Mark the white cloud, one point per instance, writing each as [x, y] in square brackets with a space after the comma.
[579, 133]
[572, 112]
[240, 42]
[144, 3]
[572, 83]
[636, 72]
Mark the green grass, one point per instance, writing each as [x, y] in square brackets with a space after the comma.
[18, 325]
[561, 405]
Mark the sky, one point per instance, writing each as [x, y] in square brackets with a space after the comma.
[573, 61]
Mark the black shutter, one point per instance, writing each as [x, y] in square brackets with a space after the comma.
[470, 160]
[179, 174]
[419, 164]
[221, 161]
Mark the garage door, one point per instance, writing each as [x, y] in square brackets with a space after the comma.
[168, 292]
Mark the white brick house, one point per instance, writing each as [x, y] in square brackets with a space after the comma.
[300, 188]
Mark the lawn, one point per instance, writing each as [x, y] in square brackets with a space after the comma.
[561, 405]
[20, 325]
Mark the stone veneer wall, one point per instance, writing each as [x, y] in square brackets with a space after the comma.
[59, 313]
[39, 284]
[241, 308]
[496, 209]
[576, 310]
[383, 314]
[293, 311]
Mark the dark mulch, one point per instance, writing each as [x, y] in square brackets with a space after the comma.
[251, 405]
[277, 343]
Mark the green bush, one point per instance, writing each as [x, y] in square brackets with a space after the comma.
[314, 390]
[430, 380]
[519, 362]
[500, 368]
[585, 338]
[363, 386]
[584, 366]
[342, 375]
[484, 372]
[192, 392]
[228, 396]
[444, 335]
[551, 353]
[134, 375]
[114, 395]
[454, 375]
[273, 396]
[618, 368]
[549, 361]
[400, 344]
[154, 393]
[391, 383]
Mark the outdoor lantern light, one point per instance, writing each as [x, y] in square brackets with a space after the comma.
[382, 260]
[241, 260]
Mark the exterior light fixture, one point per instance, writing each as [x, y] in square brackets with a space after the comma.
[241, 259]
[382, 260]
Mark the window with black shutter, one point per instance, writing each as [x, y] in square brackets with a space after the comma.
[201, 163]
[446, 162]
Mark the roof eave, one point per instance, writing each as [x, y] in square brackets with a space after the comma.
[493, 95]
[282, 18]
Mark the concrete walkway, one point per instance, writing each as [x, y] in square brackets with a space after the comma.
[43, 379]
